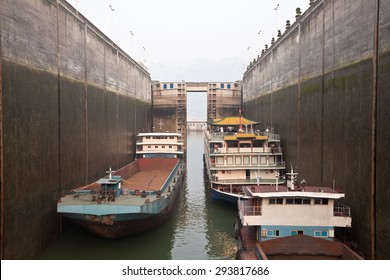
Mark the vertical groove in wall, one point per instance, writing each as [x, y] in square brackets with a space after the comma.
[86, 103]
[58, 98]
[117, 119]
[271, 91]
[135, 113]
[299, 95]
[322, 94]
[152, 102]
[1, 153]
[373, 129]
[59, 107]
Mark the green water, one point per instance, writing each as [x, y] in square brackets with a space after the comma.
[201, 229]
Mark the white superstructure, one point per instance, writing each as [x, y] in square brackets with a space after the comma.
[235, 157]
[159, 143]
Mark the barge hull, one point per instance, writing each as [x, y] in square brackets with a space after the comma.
[139, 224]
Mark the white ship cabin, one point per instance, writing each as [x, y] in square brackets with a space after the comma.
[280, 211]
[235, 151]
[159, 144]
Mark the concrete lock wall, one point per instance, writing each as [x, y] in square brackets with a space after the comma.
[324, 86]
[71, 104]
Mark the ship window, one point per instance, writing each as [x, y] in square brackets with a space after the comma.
[149, 147]
[228, 86]
[306, 201]
[274, 232]
[295, 232]
[321, 233]
[238, 160]
[257, 144]
[263, 160]
[298, 201]
[165, 86]
[163, 147]
[147, 137]
[246, 160]
[220, 160]
[245, 145]
[289, 201]
[222, 85]
[321, 201]
[156, 147]
[254, 160]
[171, 85]
[230, 160]
[276, 201]
[232, 144]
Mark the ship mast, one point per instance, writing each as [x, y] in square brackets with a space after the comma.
[240, 128]
[293, 178]
[110, 171]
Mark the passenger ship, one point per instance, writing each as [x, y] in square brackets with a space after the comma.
[135, 198]
[236, 155]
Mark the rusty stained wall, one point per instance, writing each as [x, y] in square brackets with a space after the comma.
[169, 107]
[224, 99]
[316, 87]
[71, 103]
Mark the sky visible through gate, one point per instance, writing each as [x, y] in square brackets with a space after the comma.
[197, 106]
[193, 40]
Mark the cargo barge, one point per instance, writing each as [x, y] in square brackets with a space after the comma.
[135, 198]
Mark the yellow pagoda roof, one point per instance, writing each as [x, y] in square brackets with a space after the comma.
[261, 137]
[232, 121]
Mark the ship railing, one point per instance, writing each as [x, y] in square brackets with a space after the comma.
[341, 210]
[276, 150]
[261, 165]
[207, 134]
[247, 209]
[160, 142]
[235, 150]
[82, 192]
[247, 181]
[273, 136]
[218, 136]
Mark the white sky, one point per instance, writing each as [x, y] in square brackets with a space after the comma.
[193, 40]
